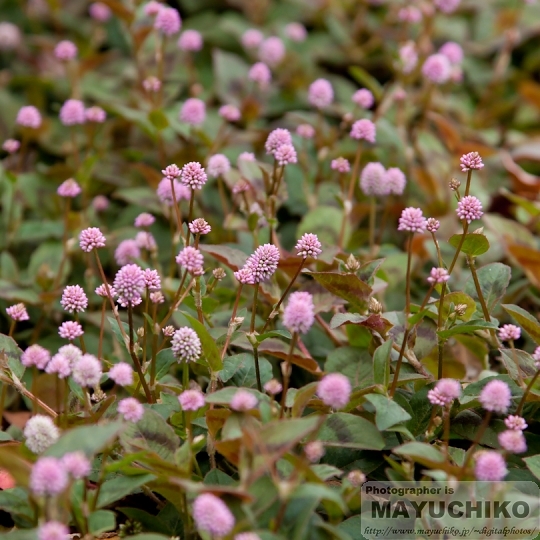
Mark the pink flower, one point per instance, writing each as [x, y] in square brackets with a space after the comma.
[285, 154]
[199, 226]
[412, 220]
[432, 225]
[121, 374]
[76, 464]
[408, 56]
[212, 515]
[272, 51]
[191, 400]
[40, 433]
[129, 285]
[363, 98]
[168, 21]
[273, 387]
[515, 422]
[193, 175]
[146, 240]
[165, 191]
[536, 357]
[306, 131]
[193, 112]
[72, 113]
[364, 129]
[131, 409]
[126, 252]
[308, 246]
[191, 259]
[144, 220]
[151, 84]
[74, 299]
[471, 161]
[218, 165]
[373, 180]
[243, 401]
[100, 11]
[513, 441]
[95, 114]
[299, 313]
[277, 138]
[314, 451]
[260, 73]
[172, 171]
[11, 145]
[263, 262]
[70, 330]
[296, 32]
[469, 208]
[102, 290]
[252, 38]
[10, 36]
[69, 188]
[231, 113]
[186, 345]
[453, 52]
[48, 477]
[395, 181]
[445, 391]
[245, 276]
[152, 8]
[447, 6]
[91, 238]
[18, 312]
[321, 93]
[410, 14]
[335, 390]
[53, 530]
[87, 371]
[29, 116]
[341, 165]
[190, 40]
[438, 275]
[65, 50]
[61, 364]
[241, 186]
[490, 466]
[437, 68]
[100, 203]
[35, 355]
[509, 332]
[152, 280]
[496, 396]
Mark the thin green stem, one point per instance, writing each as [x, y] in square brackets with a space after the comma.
[190, 214]
[408, 276]
[154, 348]
[347, 203]
[287, 374]
[230, 329]
[477, 439]
[136, 362]
[525, 394]
[460, 245]
[372, 210]
[478, 288]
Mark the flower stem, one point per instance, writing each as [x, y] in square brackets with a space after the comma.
[176, 208]
[230, 329]
[372, 210]
[478, 288]
[134, 356]
[477, 439]
[408, 277]
[198, 299]
[81, 339]
[276, 307]
[154, 348]
[190, 215]
[287, 374]
[102, 329]
[348, 200]
[252, 331]
[460, 245]
[527, 390]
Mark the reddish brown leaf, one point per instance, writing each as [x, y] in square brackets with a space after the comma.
[278, 349]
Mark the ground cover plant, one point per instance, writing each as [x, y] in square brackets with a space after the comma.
[254, 253]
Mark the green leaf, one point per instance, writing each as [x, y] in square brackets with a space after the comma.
[101, 521]
[533, 464]
[353, 362]
[87, 439]
[151, 433]
[116, 331]
[368, 81]
[164, 361]
[158, 119]
[273, 333]
[467, 328]
[211, 352]
[218, 478]
[474, 244]
[15, 501]
[117, 488]
[525, 320]
[347, 286]
[8, 346]
[350, 431]
[494, 279]
[240, 370]
[421, 452]
[388, 412]
[456, 298]
[148, 536]
[224, 396]
[381, 363]
[325, 222]
[233, 258]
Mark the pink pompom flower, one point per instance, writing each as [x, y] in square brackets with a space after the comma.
[29, 116]
[69, 189]
[229, 112]
[129, 284]
[168, 21]
[199, 226]
[11, 146]
[212, 515]
[35, 355]
[335, 390]
[263, 262]
[100, 12]
[121, 374]
[296, 32]
[469, 208]
[65, 50]
[513, 441]
[72, 113]
[299, 313]
[306, 131]
[432, 225]
[373, 180]
[341, 165]
[515, 422]
[260, 73]
[496, 396]
[453, 52]
[285, 155]
[447, 6]
[87, 371]
[272, 51]
[471, 161]
[144, 220]
[74, 299]
[18, 312]
[218, 165]
[186, 345]
[437, 68]
[364, 130]
[191, 400]
[308, 246]
[95, 114]
[53, 530]
[165, 191]
[48, 477]
[76, 464]
[408, 56]
[438, 275]
[509, 332]
[363, 98]
[412, 220]
[190, 40]
[321, 93]
[445, 391]
[131, 409]
[278, 137]
[91, 238]
[395, 181]
[243, 401]
[70, 330]
[127, 252]
[193, 175]
[191, 259]
[193, 112]
[490, 466]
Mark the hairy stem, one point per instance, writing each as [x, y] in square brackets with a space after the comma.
[287, 374]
